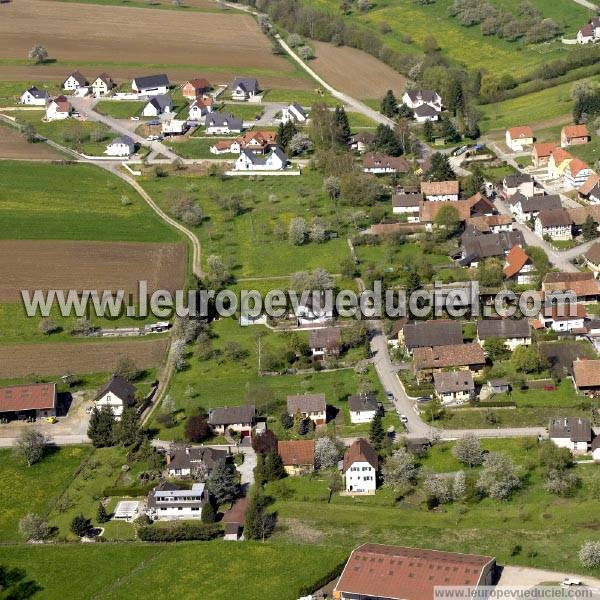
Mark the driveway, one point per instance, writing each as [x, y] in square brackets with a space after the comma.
[524, 576]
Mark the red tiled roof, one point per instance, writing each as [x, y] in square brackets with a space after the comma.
[520, 132]
[395, 572]
[37, 396]
[439, 188]
[360, 451]
[577, 165]
[458, 355]
[586, 372]
[589, 185]
[297, 452]
[551, 312]
[559, 155]
[574, 131]
[516, 259]
[543, 149]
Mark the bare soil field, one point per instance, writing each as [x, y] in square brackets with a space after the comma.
[78, 358]
[105, 34]
[14, 145]
[65, 265]
[355, 72]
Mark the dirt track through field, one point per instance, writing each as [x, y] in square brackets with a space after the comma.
[78, 358]
[14, 145]
[61, 265]
[87, 32]
[355, 72]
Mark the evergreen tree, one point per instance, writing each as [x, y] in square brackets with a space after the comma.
[80, 525]
[413, 280]
[102, 516]
[260, 476]
[101, 429]
[303, 427]
[475, 183]
[285, 132]
[389, 105]
[456, 102]
[440, 168]
[259, 524]
[342, 126]
[386, 141]
[128, 428]
[274, 466]
[377, 433]
[222, 483]
[209, 514]
[448, 130]
[428, 131]
[589, 229]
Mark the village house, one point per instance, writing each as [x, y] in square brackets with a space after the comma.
[122, 146]
[436, 332]
[498, 386]
[58, 109]
[590, 190]
[174, 127]
[477, 246]
[518, 137]
[558, 162]
[490, 223]
[425, 113]
[592, 259]
[581, 214]
[218, 123]
[519, 183]
[34, 97]
[158, 105]
[407, 204]
[240, 419]
[527, 209]
[293, 113]
[74, 82]
[564, 319]
[420, 98]
[583, 284]
[102, 85]
[298, 456]
[576, 174]
[363, 407]
[234, 520]
[117, 395]
[454, 387]
[315, 309]
[259, 142]
[226, 147]
[199, 108]
[519, 266]
[440, 191]
[361, 142]
[360, 468]
[513, 332]
[193, 462]
[427, 361]
[475, 206]
[573, 433]
[151, 85]
[244, 88]
[555, 224]
[249, 161]
[195, 87]
[308, 406]
[168, 502]
[541, 152]
[325, 342]
[574, 135]
[586, 375]
[385, 572]
[37, 400]
[586, 34]
[379, 164]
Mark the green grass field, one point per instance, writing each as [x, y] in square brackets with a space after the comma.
[10, 91]
[33, 489]
[73, 202]
[589, 153]
[120, 109]
[195, 147]
[213, 570]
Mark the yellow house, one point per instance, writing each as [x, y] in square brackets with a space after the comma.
[558, 162]
[298, 456]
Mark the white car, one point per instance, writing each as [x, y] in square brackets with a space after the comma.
[134, 118]
[570, 581]
[403, 419]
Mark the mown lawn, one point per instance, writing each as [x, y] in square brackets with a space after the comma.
[34, 489]
[73, 202]
[208, 570]
[120, 109]
[195, 147]
[589, 153]
[10, 91]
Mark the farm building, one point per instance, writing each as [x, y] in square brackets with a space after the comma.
[36, 400]
[586, 374]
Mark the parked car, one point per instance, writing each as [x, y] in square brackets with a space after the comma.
[570, 581]
[134, 118]
[403, 419]
[423, 398]
[390, 395]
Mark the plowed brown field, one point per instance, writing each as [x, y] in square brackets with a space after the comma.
[59, 265]
[14, 145]
[78, 358]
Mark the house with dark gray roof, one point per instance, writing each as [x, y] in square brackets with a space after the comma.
[158, 105]
[121, 146]
[425, 112]
[293, 113]
[527, 209]
[244, 88]
[325, 342]
[116, 395]
[195, 462]
[240, 419]
[513, 332]
[363, 407]
[309, 406]
[221, 123]
[75, 81]
[418, 98]
[574, 433]
[478, 246]
[151, 85]
[276, 160]
[34, 97]
[454, 387]
[437, 332]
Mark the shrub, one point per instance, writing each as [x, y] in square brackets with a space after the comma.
[179, 532]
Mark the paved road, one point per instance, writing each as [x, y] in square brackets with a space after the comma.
[59, 440]
[525, 576]
[587, 4]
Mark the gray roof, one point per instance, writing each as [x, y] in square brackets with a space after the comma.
[37, 93]
[425, 110]
[325, 338]
[248, 84]
[306, 403]
[124, 139]
[168, 494]
[538, 203]
[277, 151]
[407, 200]
[298, 108]
[161, 101]
[479, 246]
[363, 402]
[79, 77]
[186, 457]
[453, 381]
[151, 81]
[503, 328]
[438, 332]
[425, 95]
[574, 428]
[516, 180]
[516, 198]
[555, 217]
[229, 415]
[120, 387]
[219, 119]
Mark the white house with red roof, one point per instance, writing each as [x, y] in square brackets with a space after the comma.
[519, 137]
[58, 109]
[576, 174]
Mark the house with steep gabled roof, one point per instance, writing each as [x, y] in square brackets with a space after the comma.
[195, 87]
[222, 123]
[34, 97]
[363, 407]
[309, 406]
[518, 137]
[555, 224]
[586, 34]
[116, 395]
[521, 183]
[440, 191]
[454, 387]
[518, 266]
[574, 135]
[592, 258]
[74, 81]
[58, 109]
[433, 359]
[360, 468]
[576, 174]
[293, 113]
[541, 152]
[513, 332]
[102, 85]
[558, 162]
[325, 342]
[160, 104]
[575, 433]
[196, 462]
[590, 190]
[478, 246]
[240, 419]
[298, 456]
[122, 146]
[564, 318]
[249, 161]
[425, 104]
[244, 88]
